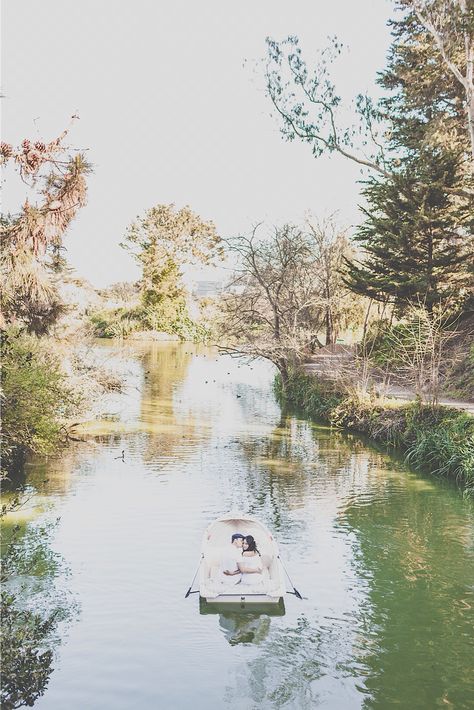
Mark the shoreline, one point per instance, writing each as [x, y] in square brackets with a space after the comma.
[438, 440]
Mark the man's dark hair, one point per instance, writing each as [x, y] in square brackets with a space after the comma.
[237, 536]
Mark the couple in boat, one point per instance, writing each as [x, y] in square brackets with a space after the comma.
[243, 565]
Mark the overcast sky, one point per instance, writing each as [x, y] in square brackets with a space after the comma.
[172, 109]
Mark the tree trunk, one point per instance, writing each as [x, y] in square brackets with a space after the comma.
[284, 374]
[366, 320]
[330, 334]
[313, 343]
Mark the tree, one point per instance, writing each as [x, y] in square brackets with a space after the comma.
[424, 104]
[416, 240]
[266, 312]
[417, 237]
[35, 399]
[285, 289]
[450, 25]
[57, 178]
[307, 102]
[331, 249]
[162, 242]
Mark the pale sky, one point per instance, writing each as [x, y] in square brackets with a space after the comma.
[172, 109]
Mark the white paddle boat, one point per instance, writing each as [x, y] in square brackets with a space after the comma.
[215, 588]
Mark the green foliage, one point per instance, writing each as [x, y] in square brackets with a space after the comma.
[387, 343]
[440, 440]
[162, 242]
[115, 322]
[438, 346]
[460, 377]
[26, 663]
[424, 99]
[35, 397]
[174, 319]
[418, 234]
[30, 614]
[57, 176]
[415, 238]
[166, 317]
[316, 398]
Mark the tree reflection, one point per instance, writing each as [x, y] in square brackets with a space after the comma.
[294, 463]
[415, 554]
[165, 367]
[32, 609]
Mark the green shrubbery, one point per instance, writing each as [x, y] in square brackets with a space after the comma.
[122, 322]
[436, 439]
[115, 322]
[35, 397]
[460, 377]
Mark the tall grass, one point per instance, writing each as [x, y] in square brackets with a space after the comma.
[439, 440]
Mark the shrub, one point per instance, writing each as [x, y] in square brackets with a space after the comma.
[437, 439]
[122, 322]
[35, 397]
[115, 322]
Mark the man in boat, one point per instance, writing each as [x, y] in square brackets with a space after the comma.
[229, 566]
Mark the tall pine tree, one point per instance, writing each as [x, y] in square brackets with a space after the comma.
[415, 237]
[418, 235]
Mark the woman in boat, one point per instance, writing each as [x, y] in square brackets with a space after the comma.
[250, 566]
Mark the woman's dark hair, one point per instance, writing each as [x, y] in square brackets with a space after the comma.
[252, 545]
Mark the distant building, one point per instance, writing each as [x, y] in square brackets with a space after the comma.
[207, 289]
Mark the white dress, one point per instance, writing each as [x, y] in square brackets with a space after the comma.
[251, 562]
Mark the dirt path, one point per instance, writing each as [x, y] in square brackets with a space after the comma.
[331, 363]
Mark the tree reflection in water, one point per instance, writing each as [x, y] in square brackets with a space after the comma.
[415, 545]
[296, 462]
[32, 608]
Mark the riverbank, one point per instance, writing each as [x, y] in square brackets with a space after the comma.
[48, 384]
[439, 440]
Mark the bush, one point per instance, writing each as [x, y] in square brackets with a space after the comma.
[175, 321]
[115, 322]
[317, 399]
[122, 322]
[35, 398]
[437, 439]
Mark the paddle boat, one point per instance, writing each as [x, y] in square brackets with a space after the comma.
[213, 587]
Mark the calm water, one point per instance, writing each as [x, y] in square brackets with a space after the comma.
[383, 555]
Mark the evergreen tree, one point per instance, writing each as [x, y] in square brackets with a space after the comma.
[417, 238]
[418, 235]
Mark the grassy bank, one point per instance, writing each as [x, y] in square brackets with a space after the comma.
[439, 440]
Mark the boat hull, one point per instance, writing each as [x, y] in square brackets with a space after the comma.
[245, 599]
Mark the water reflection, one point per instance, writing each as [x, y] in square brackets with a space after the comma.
[415, 550]
[384, 555]
[250, 625]
[33, 608]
